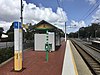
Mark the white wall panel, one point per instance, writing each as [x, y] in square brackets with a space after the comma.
[40, 40]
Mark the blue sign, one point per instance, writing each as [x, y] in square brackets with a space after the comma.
[20, 25]
[17, 25]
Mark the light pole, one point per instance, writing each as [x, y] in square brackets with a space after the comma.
[95, 33]
[21, 39]
[21, 12]
[65, 32]
[78, 34]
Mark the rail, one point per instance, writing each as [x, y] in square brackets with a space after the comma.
[92, 63]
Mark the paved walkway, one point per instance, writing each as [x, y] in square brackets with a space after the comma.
[35, 63]
[69, 66]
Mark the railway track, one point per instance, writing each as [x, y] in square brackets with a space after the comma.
[92, 47]
[92, 63]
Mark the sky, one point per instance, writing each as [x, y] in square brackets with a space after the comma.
[57, 12]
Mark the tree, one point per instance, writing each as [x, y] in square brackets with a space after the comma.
[10, 33]
[11, 36]
[88, 32]
[11, 29]
[28, 35]
[1, 31]
[73, 35]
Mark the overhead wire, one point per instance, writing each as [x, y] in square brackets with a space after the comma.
[62, 7]
[62, 16]
[90, 10]
[58, 2]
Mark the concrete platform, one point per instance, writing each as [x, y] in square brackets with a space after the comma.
[73, 63]
[69, 67]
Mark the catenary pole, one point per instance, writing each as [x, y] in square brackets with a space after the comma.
[65, 32]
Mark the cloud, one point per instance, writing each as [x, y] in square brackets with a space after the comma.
[78, 24]
[36, 14]
[5, 25]
[9, 10]
[91, 1]
[96, 16]
[32, 13]
[75, 26]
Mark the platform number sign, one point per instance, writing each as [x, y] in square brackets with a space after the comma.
[17, 46]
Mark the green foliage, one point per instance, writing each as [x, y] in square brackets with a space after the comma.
[73, 35]
[87, 32]
[11, 29]
[11, 36]
[6, 53]
[10, 33]
[28, 35]
[1, 31]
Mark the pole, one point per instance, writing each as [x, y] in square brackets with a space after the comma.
[47, 45]
[78, 34]
[21, 38]
[65, 32]
[95, 33]
[21, 12]
[18, 43]
[17, 47]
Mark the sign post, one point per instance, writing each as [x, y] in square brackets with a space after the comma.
[17, 46]
[47, 46]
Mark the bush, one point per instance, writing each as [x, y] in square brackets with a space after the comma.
[11, 36]
[6, 53]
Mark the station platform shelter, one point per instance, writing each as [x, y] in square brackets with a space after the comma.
[45, 32]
